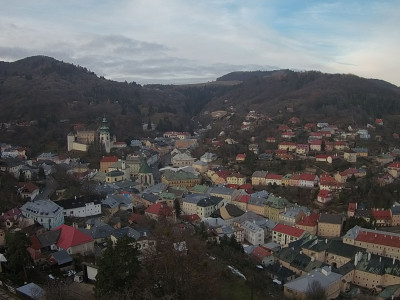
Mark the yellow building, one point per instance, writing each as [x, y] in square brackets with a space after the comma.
[180, 179]
[330, 225]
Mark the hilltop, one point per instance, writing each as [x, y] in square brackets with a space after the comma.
[49, 96]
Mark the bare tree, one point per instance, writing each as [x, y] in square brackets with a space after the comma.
[315, 291]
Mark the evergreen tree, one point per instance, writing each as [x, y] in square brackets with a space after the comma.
[177, 207]
[18, 257]
[118, 270]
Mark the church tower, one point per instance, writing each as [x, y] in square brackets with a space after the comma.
[105, 135]
[145, 175]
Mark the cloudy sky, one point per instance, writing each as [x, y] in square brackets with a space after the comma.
[175, 41]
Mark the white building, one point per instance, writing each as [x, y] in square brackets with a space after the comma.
[253, 233]
[45, 212]
[80, 207]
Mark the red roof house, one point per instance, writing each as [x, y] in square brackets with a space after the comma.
[159, 210]
[382, 217]
[74, 241]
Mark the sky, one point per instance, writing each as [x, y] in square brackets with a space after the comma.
[185, 41]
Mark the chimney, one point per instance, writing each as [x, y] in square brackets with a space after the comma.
[369, 256]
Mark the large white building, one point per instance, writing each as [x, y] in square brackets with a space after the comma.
[45, 212]
[253, 233]
[80, 207]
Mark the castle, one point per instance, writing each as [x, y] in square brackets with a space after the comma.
[82, 139]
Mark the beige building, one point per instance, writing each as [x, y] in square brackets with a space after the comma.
[236, 178]
[259, 178]
[180, 179]
[330, 225]
[374, 241]
[328, 280]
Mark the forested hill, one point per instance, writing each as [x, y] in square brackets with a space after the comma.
[52, 95]
[312, 94]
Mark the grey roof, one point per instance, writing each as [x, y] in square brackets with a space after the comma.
[39, 208]
[31, 290]
[346, 250]
[156, 189]
[395, 210]
[248, 216]
[62, 257]
[261, 194]
[324, 276]
[126, 231]
[194, 198]
[121, 199]
[110, 202]
[49, 238]
[279, 271]
[98, 230]
[222, 190]
[251, 226]
[331, 218]
[257, 201]
[150, 197]
[209, 201]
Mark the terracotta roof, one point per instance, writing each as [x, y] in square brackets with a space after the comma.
[244, 198]
[241, 156]
[287, 144]
[308, 177]
[316, 143]
[311, 220]
[274, 176]
[289, 230]
[109, 159]
[381, 214]
[232, 186]
[246, 186]
[375, 237]
[352, 207]
[35, 244]
[191, 218]
[28, 186]
[395, 165]
[260, 252]
[159, 209]
[324, 193]
[70, 237]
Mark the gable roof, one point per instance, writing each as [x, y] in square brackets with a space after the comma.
[109, 159]
[71, 237]
[159, 209]
[289, 230]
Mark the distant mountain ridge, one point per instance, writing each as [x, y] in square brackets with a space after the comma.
[45, 90]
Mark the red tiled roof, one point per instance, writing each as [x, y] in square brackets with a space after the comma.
[223, 174]
[260, 252]
[35, 244]
[244, 198]
[395, 165]
[232, 186]
[136, 218]
[70, 237]
[274, 176]
[381, 214]
[288, 230]
[316, 143]
[246, 186]
[310, 221]
[322, 156]
[283, 128]
[288, 133]
[191, 218]
[307, 177]
[159, 209]
[109, 159]
[28, 186]
[375, 237]
[324, 193]
[316, 134]
[241, 156]
[352, 207]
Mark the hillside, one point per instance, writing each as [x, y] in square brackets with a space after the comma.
[312, 95]
[48, 97]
